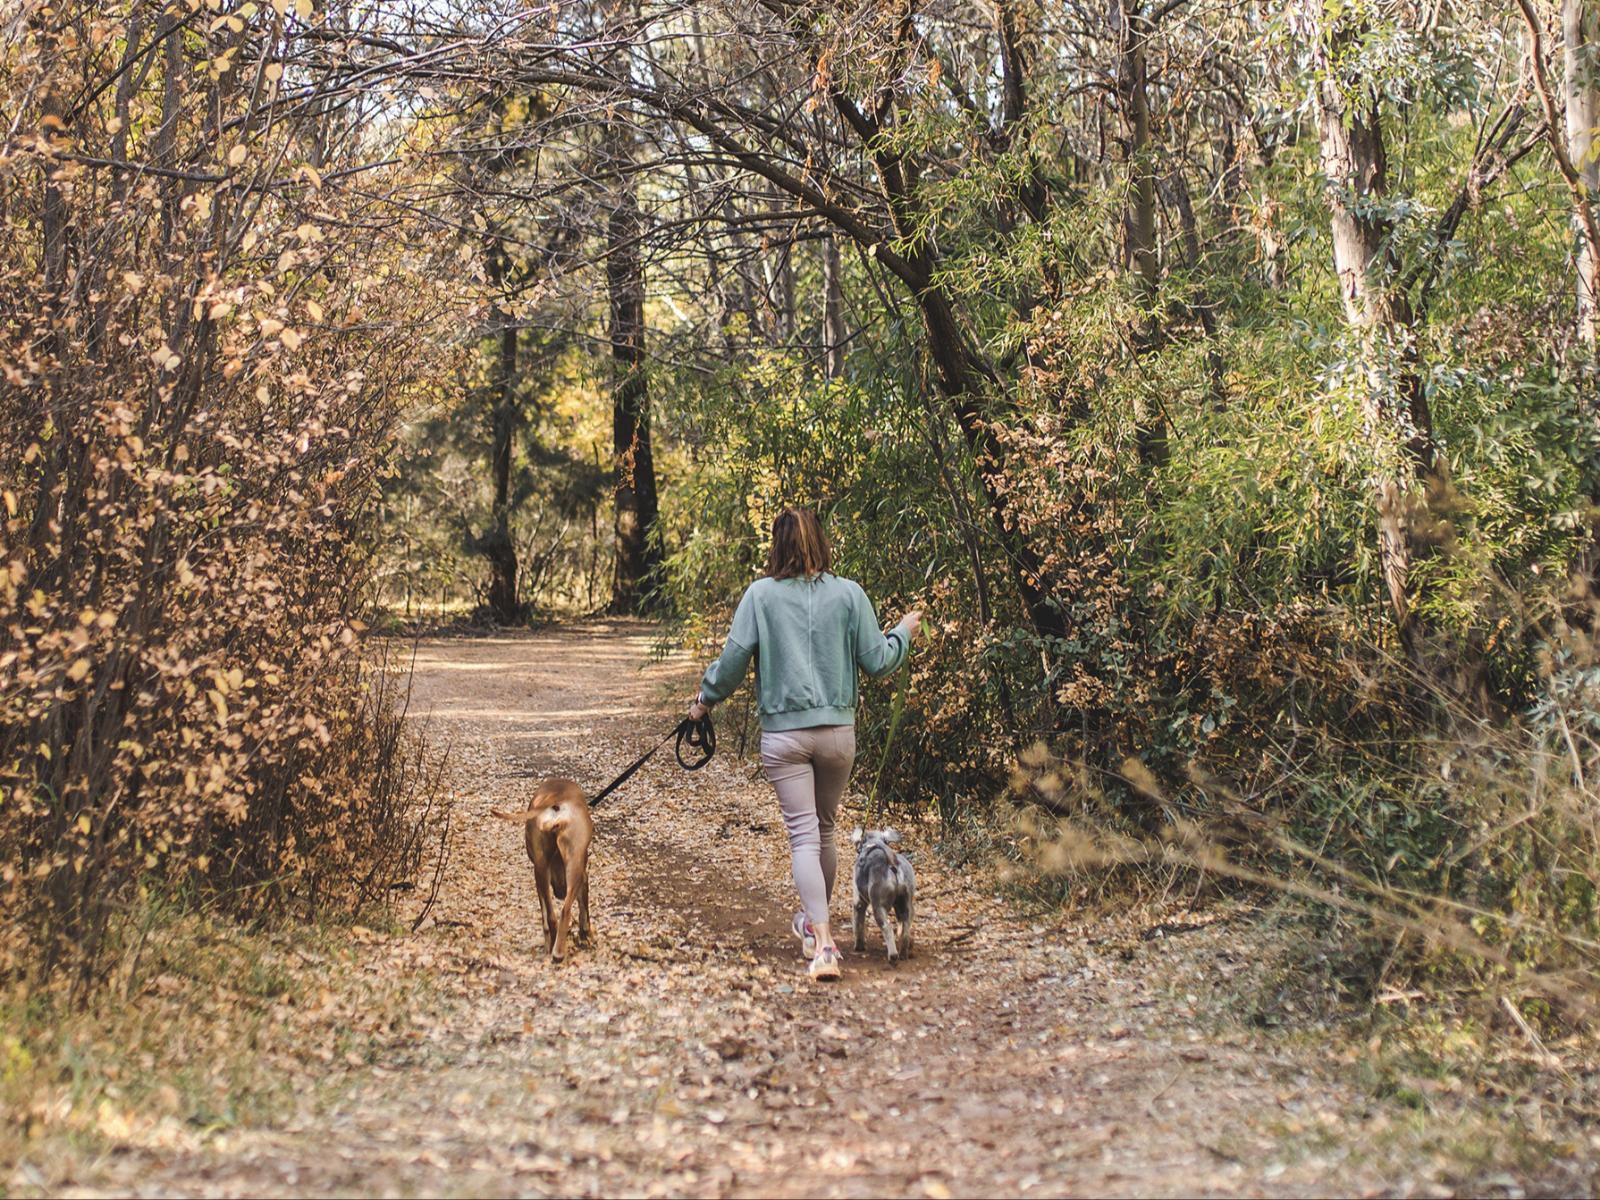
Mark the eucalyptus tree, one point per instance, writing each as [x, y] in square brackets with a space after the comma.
[1371, 67]
[1570, 133]
[1580, 32]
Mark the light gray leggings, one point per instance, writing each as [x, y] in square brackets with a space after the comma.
[808, 768]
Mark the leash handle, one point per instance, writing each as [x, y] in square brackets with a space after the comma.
[699, 736]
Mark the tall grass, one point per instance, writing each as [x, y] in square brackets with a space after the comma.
[1468, 842]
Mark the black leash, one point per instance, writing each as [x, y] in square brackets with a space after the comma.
[699, 736]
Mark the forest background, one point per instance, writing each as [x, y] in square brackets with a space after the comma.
[1219, 377]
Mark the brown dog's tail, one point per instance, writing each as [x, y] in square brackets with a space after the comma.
[518, 818]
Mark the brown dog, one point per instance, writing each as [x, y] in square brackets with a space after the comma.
[558, 830]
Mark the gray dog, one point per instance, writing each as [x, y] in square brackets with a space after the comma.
[885, 881]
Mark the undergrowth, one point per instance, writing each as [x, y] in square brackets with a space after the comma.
[201, 1027]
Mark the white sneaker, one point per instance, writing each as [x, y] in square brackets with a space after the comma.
[825, 966]
[807, 935]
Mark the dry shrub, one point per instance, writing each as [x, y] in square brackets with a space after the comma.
[1440, 844]
[204, 356]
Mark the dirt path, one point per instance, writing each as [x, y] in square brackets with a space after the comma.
[686, 1054]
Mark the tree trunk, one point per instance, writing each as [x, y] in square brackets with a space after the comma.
[1580, 26]
[1133, 89]
[498, 546]
[777, 268]
[965, 378]
[636, 566]
[834, 333]
[638, 558]
[1139, 218]
[1579, 175]
[1394, 406]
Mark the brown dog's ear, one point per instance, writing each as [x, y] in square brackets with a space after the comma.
[856, 835]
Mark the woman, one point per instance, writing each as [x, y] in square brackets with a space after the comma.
[809, 630]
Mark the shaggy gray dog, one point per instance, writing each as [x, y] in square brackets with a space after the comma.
[884, 880]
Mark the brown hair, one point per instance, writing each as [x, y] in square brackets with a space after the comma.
[799, 547]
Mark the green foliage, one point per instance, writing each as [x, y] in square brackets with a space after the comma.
[439, 504]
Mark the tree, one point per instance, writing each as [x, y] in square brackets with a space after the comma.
[638, 553]
[835, 334]
[1355, 170]
[723, 124]
[1384, 296]
[1574, 152]
[1580, 27]
[495, 543]
[1134, 27]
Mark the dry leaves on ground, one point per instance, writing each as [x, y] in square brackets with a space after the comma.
[686, 1054]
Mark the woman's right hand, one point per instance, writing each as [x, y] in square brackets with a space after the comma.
[911, 622]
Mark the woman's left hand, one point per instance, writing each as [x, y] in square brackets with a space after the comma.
[697, 710]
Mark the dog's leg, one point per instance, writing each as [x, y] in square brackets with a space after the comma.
[564, 925]
[541, 880]
[904, 908]
[574, 843]
[547, 903]
[585, 933]
[576, 879]
[886, 927]
[858, 924]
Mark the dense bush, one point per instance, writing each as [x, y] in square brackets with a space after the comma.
[200, 394]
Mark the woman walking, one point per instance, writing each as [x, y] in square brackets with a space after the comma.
[809, 631]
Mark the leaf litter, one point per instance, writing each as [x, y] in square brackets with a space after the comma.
[686, 1054]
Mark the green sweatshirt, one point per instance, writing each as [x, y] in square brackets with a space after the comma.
[808, 636]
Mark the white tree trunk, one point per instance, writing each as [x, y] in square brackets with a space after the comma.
[1580, 27]
[1394, 407]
